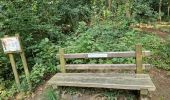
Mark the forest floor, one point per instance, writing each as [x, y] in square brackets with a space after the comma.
[161, 79]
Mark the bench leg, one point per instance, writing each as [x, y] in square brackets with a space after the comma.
[144, 95]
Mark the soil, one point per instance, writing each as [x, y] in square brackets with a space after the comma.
[151, 29]
[155, 31]
[161, 79]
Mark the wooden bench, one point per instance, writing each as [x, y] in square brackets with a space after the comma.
[129, 81]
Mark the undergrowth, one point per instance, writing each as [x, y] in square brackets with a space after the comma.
[50, 94]
[94, 93]
[105, 37]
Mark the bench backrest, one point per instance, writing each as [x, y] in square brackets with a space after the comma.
[138, 54]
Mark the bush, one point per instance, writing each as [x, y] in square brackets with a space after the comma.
[162, 57]
[45, 61]
[104, 37]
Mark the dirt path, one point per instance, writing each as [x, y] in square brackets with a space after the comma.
[162, 83]
[151, 29]
[155, 31]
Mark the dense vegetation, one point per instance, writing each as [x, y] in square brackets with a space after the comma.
[78, 26]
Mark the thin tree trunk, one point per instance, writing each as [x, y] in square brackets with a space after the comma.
[168, 10]
[168, 7]
[160, 6]
[127, 5]
[110, 5]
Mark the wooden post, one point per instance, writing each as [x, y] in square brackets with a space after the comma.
[62, 60]
[13, 64]
[23, 58]
[144, 94]
[24, 61]
[139, 59]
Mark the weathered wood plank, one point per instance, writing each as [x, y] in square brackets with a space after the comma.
[105, 66]
[117, 75]
[100, 85]
[133, 83]
[139, 59]
[103, 77]
[104, 54]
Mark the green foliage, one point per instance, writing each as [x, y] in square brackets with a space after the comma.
[104, 37]
[142, 11]
[50, 94]
[70, 90]
[112, 94]
[8, 93]
[162, 56]
[94, 38]
[36, 18]
[73, 11]
[45, 60]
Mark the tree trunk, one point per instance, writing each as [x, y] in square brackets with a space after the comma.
[168, 10]
[168, 7]
[160, 6]
[110, 5]
[127, 8]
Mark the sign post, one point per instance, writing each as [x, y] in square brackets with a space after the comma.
[10, 46]
[24, 61]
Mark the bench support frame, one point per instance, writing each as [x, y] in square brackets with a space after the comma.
[138, 54]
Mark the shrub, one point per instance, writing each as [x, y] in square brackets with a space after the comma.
[45, 60]
[104, 37]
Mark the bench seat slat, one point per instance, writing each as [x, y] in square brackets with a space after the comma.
[108, 75]
[102, 80]
[105, 66]
[105, 54]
